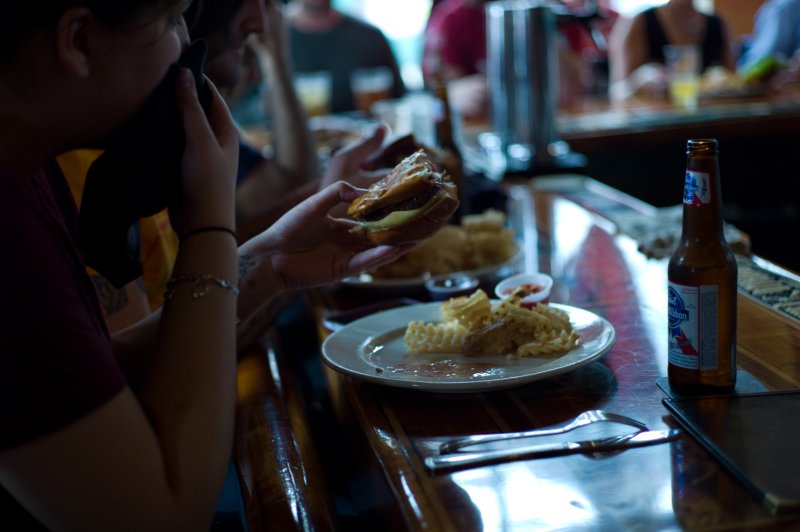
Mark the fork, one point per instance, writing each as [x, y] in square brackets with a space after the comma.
[583, 419]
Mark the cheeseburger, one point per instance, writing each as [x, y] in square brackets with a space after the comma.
[410, 204]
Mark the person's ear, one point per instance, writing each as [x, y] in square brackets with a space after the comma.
[73, 35]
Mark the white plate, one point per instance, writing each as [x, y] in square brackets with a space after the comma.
[483, 274]
[373, 349]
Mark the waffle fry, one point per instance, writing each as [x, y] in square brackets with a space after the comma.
[480, 241]
[474, 326]
[445, 337]
[470, 312]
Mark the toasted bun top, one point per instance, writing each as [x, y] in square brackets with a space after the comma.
[415, 175]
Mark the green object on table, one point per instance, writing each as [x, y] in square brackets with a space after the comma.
[763, 69]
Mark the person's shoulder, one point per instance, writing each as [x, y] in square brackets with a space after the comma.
[349, 21]
[354, 26]
[445, 8]
[783, 6]
[645, 14]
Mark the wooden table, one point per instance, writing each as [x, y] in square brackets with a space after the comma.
[567, 231]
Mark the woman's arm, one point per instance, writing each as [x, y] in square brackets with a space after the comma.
[156, 459]
[627, 54]
[294, 161]
[305, 248]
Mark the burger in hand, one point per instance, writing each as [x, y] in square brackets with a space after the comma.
[408, 205]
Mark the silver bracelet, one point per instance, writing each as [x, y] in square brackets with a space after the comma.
[201, 285]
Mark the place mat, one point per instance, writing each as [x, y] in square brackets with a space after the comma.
[753, 435]
[779, 292]
[657, 236]
[745, 384]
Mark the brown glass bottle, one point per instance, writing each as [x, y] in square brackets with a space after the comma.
[702, 284]
[449, 152]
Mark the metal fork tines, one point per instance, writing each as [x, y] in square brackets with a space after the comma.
[583, 419]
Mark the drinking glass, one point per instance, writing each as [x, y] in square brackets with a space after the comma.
[683, 65]
[371, 85]
[314, 91]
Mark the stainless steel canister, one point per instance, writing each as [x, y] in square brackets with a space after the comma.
[522, 78]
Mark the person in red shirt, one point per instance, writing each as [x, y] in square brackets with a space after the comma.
[455, 50]
[133, 430]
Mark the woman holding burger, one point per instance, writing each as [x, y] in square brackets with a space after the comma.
[132, 431]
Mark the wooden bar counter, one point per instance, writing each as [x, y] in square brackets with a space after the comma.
[638, 146]
[567, 229]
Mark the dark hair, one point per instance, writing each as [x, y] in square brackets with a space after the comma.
[208, 16]
[22, 18]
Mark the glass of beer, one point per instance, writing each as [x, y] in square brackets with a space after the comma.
[683, 64]
[314, 91]
[371, 85]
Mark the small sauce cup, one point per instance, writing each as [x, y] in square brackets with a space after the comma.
[444, 287]
[537, 284]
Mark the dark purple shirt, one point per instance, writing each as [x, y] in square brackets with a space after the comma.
[56, 362]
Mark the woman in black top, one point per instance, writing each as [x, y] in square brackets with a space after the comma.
[636, 51]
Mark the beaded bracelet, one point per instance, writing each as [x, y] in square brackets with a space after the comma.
[210, 229]
[202, 283]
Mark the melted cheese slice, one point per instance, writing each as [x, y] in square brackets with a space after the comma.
[396, 218]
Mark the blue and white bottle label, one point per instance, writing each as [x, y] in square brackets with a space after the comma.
[693, 326]
[696, 189]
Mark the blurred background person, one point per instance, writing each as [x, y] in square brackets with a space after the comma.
[325, 39]
[454, 51]
[774, 42]
[230, 28]
[636, 47]
[247, 44]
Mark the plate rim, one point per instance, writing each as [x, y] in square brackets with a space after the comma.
[411, 282]
[490, 384]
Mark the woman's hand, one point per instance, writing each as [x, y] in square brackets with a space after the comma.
[308, 247]
[347, 163]
[209, 160]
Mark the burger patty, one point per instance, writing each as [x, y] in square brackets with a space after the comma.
[409, 204]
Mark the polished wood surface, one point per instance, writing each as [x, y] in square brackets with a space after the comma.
[382, 432]
[282, 482]
[676, 485]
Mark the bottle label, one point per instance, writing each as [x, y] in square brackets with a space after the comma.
[696, 190]
[693, 326]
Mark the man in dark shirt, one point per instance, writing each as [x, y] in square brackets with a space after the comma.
[323, 38]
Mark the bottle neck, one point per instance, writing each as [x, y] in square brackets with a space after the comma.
[442, 118]
[702, 198]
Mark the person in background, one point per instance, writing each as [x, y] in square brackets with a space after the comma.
[455, 50]
[322, 38]
[776, 36]
[232, 29]
[588, 40]
[135, 430]
[636, 54]
[228, 27]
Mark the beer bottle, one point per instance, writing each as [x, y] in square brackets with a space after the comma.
[449, 152]
[702, 284]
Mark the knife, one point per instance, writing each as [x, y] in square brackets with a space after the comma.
[466, 460]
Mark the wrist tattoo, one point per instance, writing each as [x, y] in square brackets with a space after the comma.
[112, 299]
[246, 263]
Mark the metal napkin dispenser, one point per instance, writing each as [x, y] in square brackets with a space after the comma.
[522, 75]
